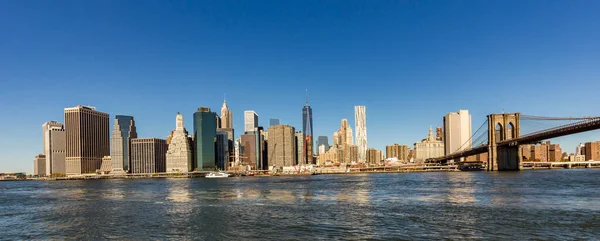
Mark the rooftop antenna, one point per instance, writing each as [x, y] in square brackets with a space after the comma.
[224, 98]
[306, 96]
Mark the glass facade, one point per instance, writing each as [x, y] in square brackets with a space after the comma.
[307, 129]
[205, 132]
[128, 131]
[273, 122]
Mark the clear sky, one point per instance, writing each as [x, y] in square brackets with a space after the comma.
[409, 62]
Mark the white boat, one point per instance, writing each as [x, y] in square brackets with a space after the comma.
[217, 175]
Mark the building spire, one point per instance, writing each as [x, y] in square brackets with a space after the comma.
[224, 98]
[306, 96]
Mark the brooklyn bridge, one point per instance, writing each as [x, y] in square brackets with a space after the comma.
[500, 137]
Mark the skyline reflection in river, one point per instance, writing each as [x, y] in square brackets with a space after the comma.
[361, 206]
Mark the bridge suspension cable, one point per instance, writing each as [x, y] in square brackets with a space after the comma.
[531, 117]
[477, 139]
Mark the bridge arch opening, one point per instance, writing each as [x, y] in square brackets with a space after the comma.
[498, 132]
[510, 131]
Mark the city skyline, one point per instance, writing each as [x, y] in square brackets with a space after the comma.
[391, 57]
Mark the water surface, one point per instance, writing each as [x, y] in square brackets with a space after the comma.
[552, 204]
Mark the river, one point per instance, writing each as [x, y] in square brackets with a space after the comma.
[543, 204]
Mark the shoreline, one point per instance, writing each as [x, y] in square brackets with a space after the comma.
[329, 172]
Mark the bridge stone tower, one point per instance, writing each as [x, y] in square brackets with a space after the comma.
[502, 154]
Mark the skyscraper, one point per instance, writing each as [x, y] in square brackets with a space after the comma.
[123, 131]
[179, 156]
[54, 147]
[205, 131]
[457, 131]
[87, 139]
[307, 129]
[39, 165]
[282, 149]
[322, 140]
[148, 155]
[222, 150]
[300, 138]
[360, 124]
[226, 116]
[273, 122]
[250, 120]
[344, 140]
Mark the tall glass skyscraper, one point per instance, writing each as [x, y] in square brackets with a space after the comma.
[273, 122]
[205, 132]
[307, 129]
[123, 131]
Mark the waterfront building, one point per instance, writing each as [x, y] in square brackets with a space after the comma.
[344, 140]
[248, 143]
[457, 131]
[54, 147]
[148, 155]
[592, 151]
[580, 149]
[526, 151]
[299, 138]
[87, 139]
[226, 117]
[374, 157]
[250, 120]
[307, 130]
[322, 149]
[353, 154]
[554, 153]
[398, 151]
[273, 122]
[429, 147]
[237, 150]
[106, 164]
[281, 146]
[39, 165]
[179, 157]
[222, 150]
[323, 140]
[123, 131]
[360, 124]
[205, 131]
[329, 157]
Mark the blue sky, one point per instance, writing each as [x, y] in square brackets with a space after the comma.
[409, 62]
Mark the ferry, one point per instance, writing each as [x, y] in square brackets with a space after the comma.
[217, 175]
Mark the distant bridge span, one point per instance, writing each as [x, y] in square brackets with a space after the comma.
[503, 142]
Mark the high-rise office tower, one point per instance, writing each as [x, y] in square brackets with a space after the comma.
[360, 123]
[344, 137]
[87, 139]
[307, 130]
[282, 149]
[336, 139]
[250, 120]
[148, 155]
[222, 150]
[205, 131]
[54, 147]
[300, 138]
[179, 157]
[248, 144]
[273, 122]
[457, 131]
[39, 165]
[123, 131]
[226, 116]
[323, 140]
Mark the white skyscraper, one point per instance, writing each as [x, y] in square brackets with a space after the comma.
[360, 125]
[250, 120]
[179, 152]
[457, 131]
[54, 147]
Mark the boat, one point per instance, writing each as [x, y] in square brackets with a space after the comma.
[217, 175]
